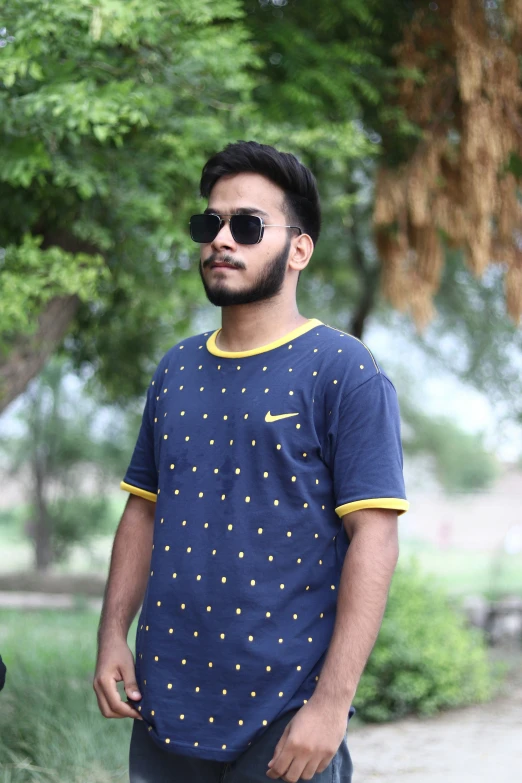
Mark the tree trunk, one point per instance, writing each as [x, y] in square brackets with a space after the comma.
[42, 528]
[30, 352]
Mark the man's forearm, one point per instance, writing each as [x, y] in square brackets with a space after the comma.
[363, 591]
[129, 569]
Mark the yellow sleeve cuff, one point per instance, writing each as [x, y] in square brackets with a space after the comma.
[394, 503]
[142, 493]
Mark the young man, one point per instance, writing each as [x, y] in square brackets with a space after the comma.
[261, 528]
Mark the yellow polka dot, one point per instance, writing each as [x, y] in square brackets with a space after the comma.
[230, 526]
[278, 446]
[361, 366]
[276, 502]
[267, 390]
[314, 372]
[183, 606]
[223, 497]
[253, 443]
[259, 530]
[238, 666]
[252, 582]
[214, 551]
[305, 701]
[315, 350]
[155, 420]
[294, 616]
[294, 478]
[280, 641]
[201, 494]
[198, 577]
[333, 587]
[316, 535]
[269, 668]
[206, 524]
[210, 664]
[184, 661]
[264, 368]
[221, 635]
[223, 391]
[201, 388]
[182, 413]
[209, 608]
[167, 548]
[298, 426]
[304, 454]
[171, 630]
[298, 668]
[290, 392]
[250, 638]
[321, 615]
[299, 560]
[172, 468]
[305, 505]
[223, 579]
[211, 442]
[197, 688]
[196, 744]
[225, 417]
[231, 442]
[159, 603]
[280, 693]
[156, 658]
[243, 391]
[240, 722]
[289, 534]
[307, 587]
[289, 369]
[194, 469]
[216, 470]
[169, 686]
[165, 437]
[238, 611]
[182, 717]
[247, 499]
[189, 549]
[188, 437]
[146, 627]
[167, 740]
[241, 554]
[223, 747]
[282, 586]
[268, 614]
[253, 693]
[309, 638]
[265, 474]
[335, 381]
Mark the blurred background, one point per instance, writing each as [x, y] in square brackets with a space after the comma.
[410, 115]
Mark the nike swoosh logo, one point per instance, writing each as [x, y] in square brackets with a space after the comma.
[269, 416]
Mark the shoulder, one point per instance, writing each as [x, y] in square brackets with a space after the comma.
[347, 359]
[174, 358]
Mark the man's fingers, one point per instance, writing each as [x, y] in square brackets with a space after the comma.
[131, 687]
[111, 700]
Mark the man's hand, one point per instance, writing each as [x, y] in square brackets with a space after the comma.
[309, 742]
[115, 664]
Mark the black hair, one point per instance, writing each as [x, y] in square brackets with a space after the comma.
[301, 197]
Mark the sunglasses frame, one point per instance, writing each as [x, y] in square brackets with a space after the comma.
[262, 226]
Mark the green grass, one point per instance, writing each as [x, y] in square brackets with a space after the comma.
[51, 730]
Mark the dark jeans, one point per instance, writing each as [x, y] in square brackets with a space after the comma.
[151, 764]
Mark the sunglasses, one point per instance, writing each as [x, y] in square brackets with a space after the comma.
[245, 229]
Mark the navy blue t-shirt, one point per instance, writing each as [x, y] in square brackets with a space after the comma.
[253, 458]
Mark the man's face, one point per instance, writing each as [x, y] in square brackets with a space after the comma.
[258, 270]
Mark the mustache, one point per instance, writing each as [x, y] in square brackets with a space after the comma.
[224, 259]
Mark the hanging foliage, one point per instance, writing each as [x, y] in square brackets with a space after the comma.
[460, 185]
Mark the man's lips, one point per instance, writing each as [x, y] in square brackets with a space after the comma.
[223, 266]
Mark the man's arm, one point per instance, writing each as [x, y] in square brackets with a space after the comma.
[313, 736]
[363, 591]
[124, 592]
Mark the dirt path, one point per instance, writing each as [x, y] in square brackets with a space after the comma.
[473, 745]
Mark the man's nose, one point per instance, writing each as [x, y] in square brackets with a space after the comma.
[224, 238]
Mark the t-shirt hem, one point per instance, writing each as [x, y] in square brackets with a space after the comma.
[199, 751]
[142, 493]
[398, 504]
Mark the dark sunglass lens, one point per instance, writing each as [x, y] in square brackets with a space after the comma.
[204, 228]
[246, 229]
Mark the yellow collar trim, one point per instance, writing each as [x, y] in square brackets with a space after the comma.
[212, 347]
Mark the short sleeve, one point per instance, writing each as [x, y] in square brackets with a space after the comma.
[141, 477]
[365, 449]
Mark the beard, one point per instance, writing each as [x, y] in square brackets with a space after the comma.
[268, 284]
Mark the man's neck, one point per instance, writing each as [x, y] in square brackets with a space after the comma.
[253, 334]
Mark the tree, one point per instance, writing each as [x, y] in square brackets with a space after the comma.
[57, 448]
[106, 112]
